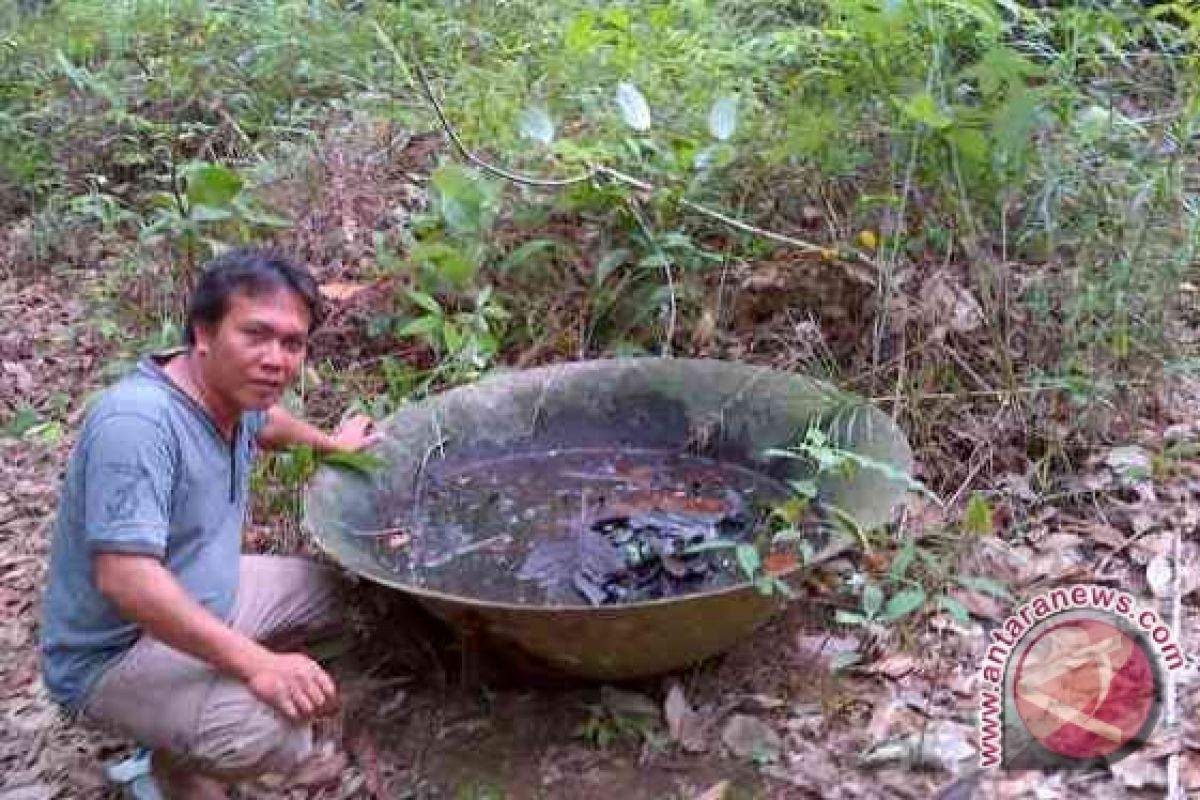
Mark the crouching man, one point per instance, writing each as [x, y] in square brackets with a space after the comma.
[153, 623]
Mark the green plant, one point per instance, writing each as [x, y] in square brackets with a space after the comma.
[465, 342]
[205, 208]
[604, 727]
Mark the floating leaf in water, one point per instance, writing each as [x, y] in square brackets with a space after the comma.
[634, 109]
[748, 558]
[537, 125]
[722, 118]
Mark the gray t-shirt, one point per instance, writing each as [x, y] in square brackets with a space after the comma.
[150, 473]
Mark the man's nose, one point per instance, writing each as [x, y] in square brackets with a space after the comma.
[274, 357]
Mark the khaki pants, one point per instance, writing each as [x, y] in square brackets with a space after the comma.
[167, 700]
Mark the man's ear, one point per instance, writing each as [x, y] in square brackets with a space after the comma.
[203, 335]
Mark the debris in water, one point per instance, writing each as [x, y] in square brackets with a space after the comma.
[642, 556]
[491, 543]
[566, 527]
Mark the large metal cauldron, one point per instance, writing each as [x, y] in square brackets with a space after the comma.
[725, 410]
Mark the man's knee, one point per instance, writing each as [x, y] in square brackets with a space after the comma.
[255, 742]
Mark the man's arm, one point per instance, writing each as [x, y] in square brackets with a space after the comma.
[145, 592]
[283, 429]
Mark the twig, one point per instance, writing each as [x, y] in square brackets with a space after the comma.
[599, 170]
[1103, 566]
[395, 529]
[1175, 789]
[996, 393]
[667, 271]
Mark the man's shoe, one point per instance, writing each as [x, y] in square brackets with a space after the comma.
[132, 775]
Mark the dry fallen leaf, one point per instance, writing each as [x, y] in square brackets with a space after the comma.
[895, 666]
[30, 791]
[979, 604]
[340, 291]
[820, 650]
[1160, 576]
[1094, 531]
[1136, 772]
[683, 723]
[625, 703]
[749, 737]
[715, 792]
[944, 744]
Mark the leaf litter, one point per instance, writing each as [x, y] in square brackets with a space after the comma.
[897, 724]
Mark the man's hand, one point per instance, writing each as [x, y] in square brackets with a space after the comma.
[356, 433]
[150, 595]
[284, 430]
[294, 685]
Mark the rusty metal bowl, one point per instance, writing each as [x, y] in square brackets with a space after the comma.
[725, 410]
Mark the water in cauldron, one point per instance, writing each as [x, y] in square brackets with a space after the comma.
[579, 527]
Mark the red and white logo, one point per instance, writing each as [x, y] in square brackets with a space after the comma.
[1073, 676]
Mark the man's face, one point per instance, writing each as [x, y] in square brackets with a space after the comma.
[255, 352]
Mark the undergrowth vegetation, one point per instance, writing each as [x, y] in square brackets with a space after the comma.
[981, 214]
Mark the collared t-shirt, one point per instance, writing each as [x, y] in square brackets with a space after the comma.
[149, 474]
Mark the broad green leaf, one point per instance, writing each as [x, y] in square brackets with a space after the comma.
[804, 488]
[1013, 123]
[212, 185]
[450, 262]
[872, 600]
[204, 213]
[791, 510]
[722, 118]
[986, 585]
[453, 336]
[923, 108]
[465, 199]
[526, 252]
[844, 617]
[609, 263]
[748, 559]
[1093, 123]
[49, 432]
[972, 145]
[845, 659]
[425, 301]
[790, 535]
[257, 217]
[22, 421]
[361, 462]
[581, 34]
[978, 519]
[536, 124]
[455, 267]
[715, 544]
[904, 560]
[904, 603]
[421, 326]
[634, 109]
[956, 609]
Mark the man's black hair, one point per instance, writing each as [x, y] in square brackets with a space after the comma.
[255, 272]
